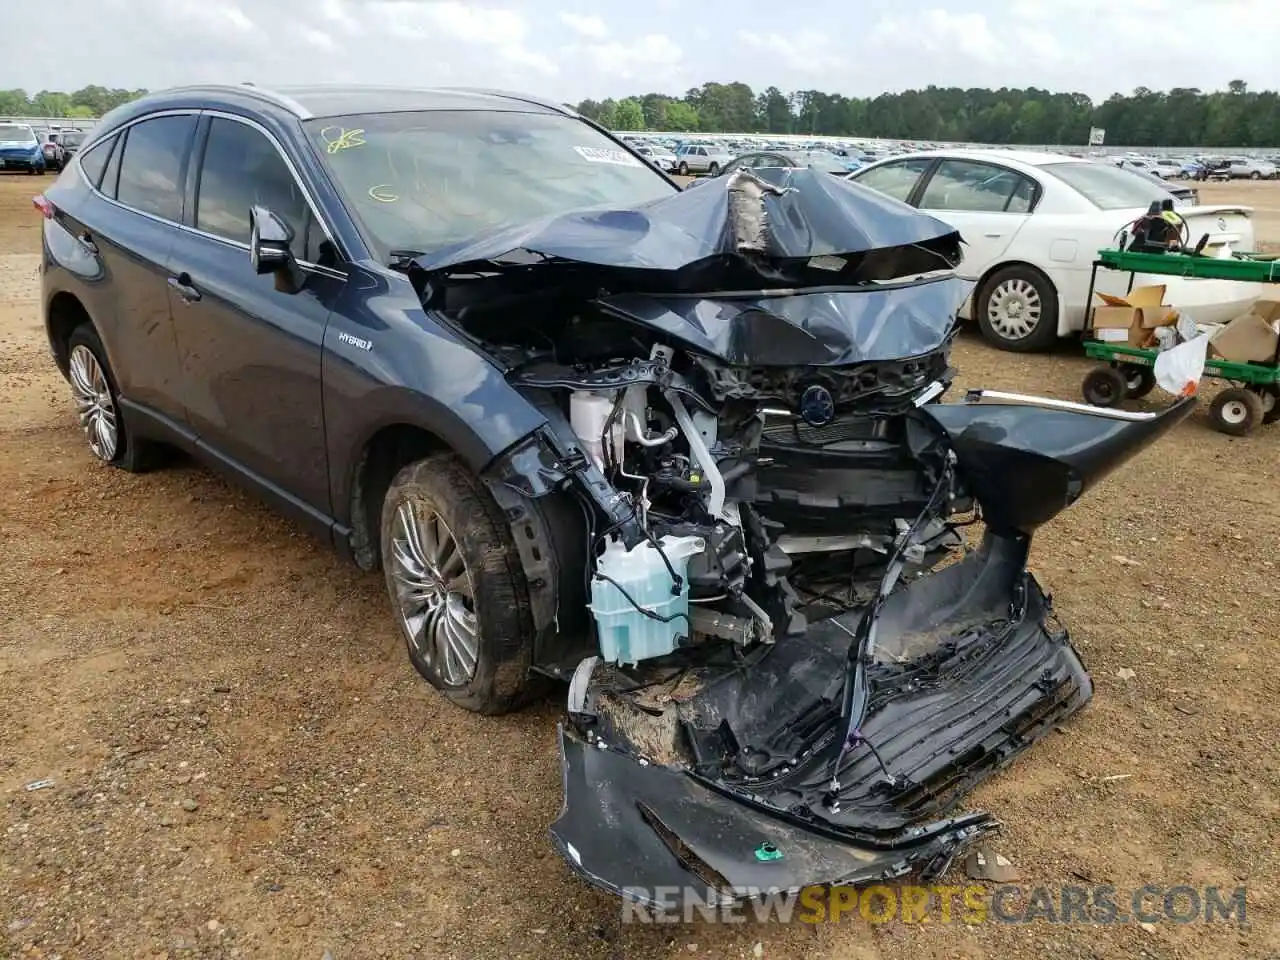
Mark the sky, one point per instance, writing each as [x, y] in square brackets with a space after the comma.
[575, 49]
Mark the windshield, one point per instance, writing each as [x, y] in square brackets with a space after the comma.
[72, 139]
[12, 132]
[1107, 187]
[429, 179]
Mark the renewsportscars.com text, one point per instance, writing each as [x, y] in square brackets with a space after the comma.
[943, 904]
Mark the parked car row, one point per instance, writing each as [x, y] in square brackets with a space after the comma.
[23, 146]
[1201, 168]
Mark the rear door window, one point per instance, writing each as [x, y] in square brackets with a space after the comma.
[974, 187]
[153, 165]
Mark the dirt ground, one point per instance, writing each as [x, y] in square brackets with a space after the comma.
[245, 765]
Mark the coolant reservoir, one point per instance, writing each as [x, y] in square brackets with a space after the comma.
[626, 634]
[588, 414]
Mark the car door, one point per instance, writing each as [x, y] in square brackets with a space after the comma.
[986, 202]
[140, 171]
[250, 352]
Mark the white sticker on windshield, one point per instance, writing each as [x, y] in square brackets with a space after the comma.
[601, 155]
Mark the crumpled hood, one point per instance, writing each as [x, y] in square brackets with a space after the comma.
[768, 217]
[806, 328]
[779, 267]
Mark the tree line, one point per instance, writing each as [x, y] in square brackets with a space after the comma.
[91, 101]
[1181, 117]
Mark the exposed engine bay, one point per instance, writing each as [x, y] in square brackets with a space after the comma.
[788, 645]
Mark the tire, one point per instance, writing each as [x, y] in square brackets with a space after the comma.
[683, 169]
[1236, 412]
[127, 453]
[1104, 387]
[714, 170]
[1255, 175]
[1139, 380]
[1017, 310]
[1269, 397]
[472, 580]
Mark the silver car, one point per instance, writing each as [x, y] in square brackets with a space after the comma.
[701, 158]
[1252, 169]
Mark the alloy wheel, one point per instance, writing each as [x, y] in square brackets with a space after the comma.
[94, 405]
[434, 593]
[1014, 309]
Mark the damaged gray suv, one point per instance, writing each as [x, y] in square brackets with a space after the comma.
[691, 452]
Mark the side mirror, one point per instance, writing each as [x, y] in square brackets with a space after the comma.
[269, 249]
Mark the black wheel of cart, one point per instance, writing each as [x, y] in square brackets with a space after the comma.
[1269, 395]
[1236, 411]
[1104, 387]
[1139, 380]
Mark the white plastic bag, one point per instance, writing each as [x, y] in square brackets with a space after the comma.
[1179, 369]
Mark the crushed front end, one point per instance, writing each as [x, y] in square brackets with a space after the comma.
[792, 667]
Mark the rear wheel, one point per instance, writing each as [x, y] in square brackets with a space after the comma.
[1104, 387]
[1255, 175]
[1236, 411]
[1269, 397]
[457, 586]
[93, 387]
[1017, 310]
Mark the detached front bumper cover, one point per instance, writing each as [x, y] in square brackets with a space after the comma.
[741, 777]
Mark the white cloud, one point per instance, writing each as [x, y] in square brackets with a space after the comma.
[318, 39]
[591, 27]
[651, 60]
[808, 52]
[938, 31]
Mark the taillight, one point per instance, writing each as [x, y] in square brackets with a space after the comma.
[44, 205]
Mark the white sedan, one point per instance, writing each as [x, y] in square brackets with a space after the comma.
[1033, 224]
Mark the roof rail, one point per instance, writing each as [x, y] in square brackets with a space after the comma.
[253, 90]
[521, 97]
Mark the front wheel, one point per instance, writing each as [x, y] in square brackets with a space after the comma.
[1139, 380]
[683, 169]
[457, 586]
[1255, 175]
[714, 170]
[1104, 387]
[1017, 310]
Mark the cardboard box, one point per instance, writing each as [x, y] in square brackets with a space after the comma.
[1131, 318]
[1250, 337]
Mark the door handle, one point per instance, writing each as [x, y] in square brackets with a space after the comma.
[182, 286]
[87, 241]
[993, 236]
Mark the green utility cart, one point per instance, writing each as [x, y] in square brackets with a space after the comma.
[1128, 372]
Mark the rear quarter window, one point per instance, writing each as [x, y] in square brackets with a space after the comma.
[94, 160]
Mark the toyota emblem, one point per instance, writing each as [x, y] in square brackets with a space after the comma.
[817, 406]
